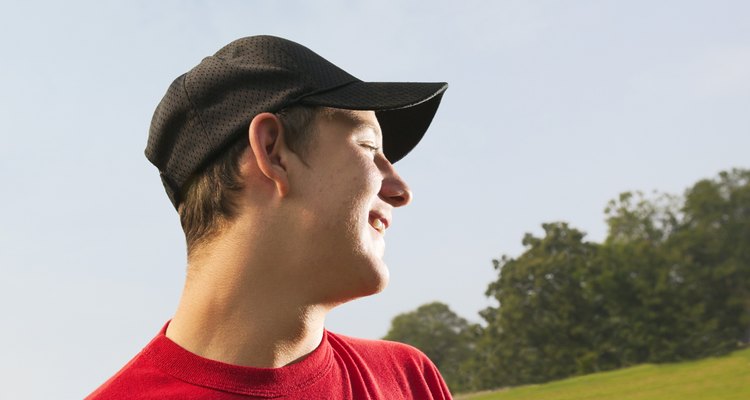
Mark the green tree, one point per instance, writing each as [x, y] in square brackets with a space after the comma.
[670, 282]
[446, 338]
[638, 283]
[540, 330]
[635, 218]
[715, 241]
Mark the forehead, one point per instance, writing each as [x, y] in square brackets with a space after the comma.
[354, 119]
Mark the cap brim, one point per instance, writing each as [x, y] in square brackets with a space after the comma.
[404, 109]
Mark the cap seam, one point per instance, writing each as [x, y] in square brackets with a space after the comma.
[296, 66]
[309, 82]
[193, 109]
[301, 99]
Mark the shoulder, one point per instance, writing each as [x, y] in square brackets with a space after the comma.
[379, 351]
[401, 370]
[141, 378]
[134, 374]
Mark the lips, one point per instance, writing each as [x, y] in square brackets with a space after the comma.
[379, 222]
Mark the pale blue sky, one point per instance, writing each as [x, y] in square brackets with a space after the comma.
[554, 108]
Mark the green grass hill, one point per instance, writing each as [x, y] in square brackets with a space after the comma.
[724, 378]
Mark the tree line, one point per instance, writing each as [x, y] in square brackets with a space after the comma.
[670, 282]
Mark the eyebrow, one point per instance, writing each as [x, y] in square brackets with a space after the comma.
[357, 122]
[376, 129]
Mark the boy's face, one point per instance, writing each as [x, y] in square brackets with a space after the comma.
[348, 193]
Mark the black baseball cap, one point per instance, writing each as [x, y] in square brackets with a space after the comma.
[206, 109]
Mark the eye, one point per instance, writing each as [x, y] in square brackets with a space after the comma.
[372, 147]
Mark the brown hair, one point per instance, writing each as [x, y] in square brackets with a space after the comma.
[209, 196]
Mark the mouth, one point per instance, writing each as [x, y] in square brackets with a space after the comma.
[378, 222]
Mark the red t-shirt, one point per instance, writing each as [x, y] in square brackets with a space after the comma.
[340, 367]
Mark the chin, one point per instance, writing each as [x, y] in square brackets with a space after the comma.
[372, 280]
[358, 278]
[379, 282]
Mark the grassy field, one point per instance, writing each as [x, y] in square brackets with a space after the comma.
[722, 378]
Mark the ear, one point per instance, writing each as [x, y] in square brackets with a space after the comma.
[267, 144]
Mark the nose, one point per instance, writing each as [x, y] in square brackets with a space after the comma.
[394, 189]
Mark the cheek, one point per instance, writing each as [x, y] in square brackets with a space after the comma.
[371, 178]
[344, 196]
[361, 180]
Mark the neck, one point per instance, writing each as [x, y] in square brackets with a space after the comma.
[235, 309]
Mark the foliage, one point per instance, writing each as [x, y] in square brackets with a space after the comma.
[539, 330]
[670, 282]
[447, 339]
